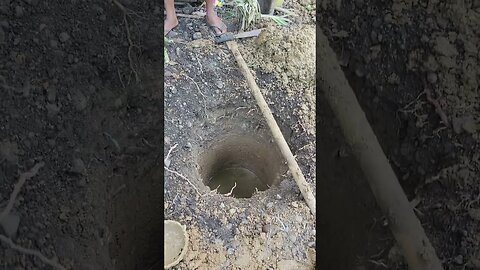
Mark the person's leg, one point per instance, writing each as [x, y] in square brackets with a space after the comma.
[213, 20]
[171, 18]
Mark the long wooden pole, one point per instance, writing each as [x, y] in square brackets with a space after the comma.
[405, 226]
[276, 133]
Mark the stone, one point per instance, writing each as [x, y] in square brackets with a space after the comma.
[197, 35]
[444, 47]
[458, 259]
[19, 11]
[64, 37]
[79, 101]
[78, 166]
[9, 152]
[10, 224]
[432, 77]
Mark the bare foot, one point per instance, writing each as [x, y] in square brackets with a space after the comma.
[169, 24]
[217, 24]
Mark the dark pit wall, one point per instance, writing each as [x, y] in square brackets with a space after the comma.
[134, 201]
[137, 222]
[350, 230]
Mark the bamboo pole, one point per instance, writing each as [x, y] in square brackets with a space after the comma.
[276, 133]
[405, 226]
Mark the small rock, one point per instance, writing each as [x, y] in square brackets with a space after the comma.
[232, 211]
[278, 196]
[432, 77]
[266, 228]
[118, 103]
[230, 251]
[42, 26]
[10, 224]
[293, 238]
[51, 94]
[269, 205]
[187, 9]
[359, 72]
[52, 109]
[219, 84]
[393, 79]
[466, 123]
[311, 244]
[78, 166]
[457, 125]
[197, 35]
[189, 124]
[9, 152]
[64, 37]
[19, 12]
[444, 47]
[294, 204]
[167, 162]
[459, 259]
[188, 145]
[63, 215]
[298, 219]
[79, 101]
[469, 125]
[474, 213]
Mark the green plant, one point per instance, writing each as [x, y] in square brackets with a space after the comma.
[279, 20]
[166, 58]
[250, 13]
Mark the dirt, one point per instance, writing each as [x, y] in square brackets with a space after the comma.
[69, 98]
[207, 101]
[414, 66]
[289, 54]
[74, 98]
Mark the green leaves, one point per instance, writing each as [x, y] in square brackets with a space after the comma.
[250, 13]
[279, 20]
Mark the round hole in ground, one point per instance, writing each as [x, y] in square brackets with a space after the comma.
[241, 165]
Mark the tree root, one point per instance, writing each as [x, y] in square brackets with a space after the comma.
[438, 107]
[131, 45]
[35, 253]
[21, 181]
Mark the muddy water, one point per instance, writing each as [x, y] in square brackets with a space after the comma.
[245, 179]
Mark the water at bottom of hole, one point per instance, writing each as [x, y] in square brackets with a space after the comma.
[246, 181]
